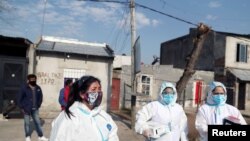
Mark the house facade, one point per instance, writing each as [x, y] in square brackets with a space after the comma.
[53, 60]
[225, 54]
[57, 59]
[150, 79]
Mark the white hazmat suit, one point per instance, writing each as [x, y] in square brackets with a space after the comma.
[171, 116]
[212, 114]
[85, 124]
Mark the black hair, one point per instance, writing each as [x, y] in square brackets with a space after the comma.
[81, 85]
[68, 81]
[31, 76]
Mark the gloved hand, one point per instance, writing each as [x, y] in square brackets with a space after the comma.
[147, 133]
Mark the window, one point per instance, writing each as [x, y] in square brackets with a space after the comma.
[145, 84]
[73, 74]
[241, 55]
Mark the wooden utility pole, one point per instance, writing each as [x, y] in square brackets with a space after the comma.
[202, 32]
[133, 36]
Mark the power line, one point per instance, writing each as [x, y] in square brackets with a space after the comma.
[123, 46]
[125, 31]
[176, 18]
[143, 6]
[112, 1]
[121, 26]
[151, 9]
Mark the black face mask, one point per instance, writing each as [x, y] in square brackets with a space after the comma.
[32, 83]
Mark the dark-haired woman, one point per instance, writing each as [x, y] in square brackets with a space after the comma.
[83, 119]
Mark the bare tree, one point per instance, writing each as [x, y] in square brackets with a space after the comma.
[202, 32]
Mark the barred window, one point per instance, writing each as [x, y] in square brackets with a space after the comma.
[145, 84]
[241, 55]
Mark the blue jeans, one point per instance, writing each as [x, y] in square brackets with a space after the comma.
[37, 123]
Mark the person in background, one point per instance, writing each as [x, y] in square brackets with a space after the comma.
[64, 93]
[83, 118]
[29, 100]
[215, 110]
[163, 120]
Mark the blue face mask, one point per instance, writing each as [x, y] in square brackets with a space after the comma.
[219, 99]
[168, 98]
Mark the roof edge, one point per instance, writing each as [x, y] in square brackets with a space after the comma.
[71, 41]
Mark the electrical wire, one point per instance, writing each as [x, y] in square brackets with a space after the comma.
[112, 1]
[145, 7]
[151, 9]
[176, 18]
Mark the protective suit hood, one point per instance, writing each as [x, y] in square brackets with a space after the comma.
[165, 85]
[212, 86]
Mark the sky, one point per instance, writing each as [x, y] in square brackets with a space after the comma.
[107, 22]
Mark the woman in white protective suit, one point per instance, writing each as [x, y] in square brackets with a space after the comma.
[163, 120]
[83, 119]
[215, 110]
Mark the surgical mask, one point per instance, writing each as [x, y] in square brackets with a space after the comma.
[93, 98]
[219, 99]
[168, 98]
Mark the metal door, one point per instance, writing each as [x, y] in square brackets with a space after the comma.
[115, 97]
[12, 76]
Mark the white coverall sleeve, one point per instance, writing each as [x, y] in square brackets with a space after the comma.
[201, 125]
[184, 127]
[143, 116]
[242, 120]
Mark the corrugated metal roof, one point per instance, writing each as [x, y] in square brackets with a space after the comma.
[243, 75]
[66, 47]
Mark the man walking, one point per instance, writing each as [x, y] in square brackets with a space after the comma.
[29, 101]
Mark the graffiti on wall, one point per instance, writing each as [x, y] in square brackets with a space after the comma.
[48, 78]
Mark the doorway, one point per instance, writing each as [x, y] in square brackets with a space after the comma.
[115, 97]
[12, 76]
[241, 96]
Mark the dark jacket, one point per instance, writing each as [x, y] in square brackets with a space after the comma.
[24, 98]
[61, 99]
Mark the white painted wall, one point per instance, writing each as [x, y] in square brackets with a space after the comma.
[121, 60]
[231, 50]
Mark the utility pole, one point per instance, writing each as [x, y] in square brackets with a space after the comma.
[133, 36]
